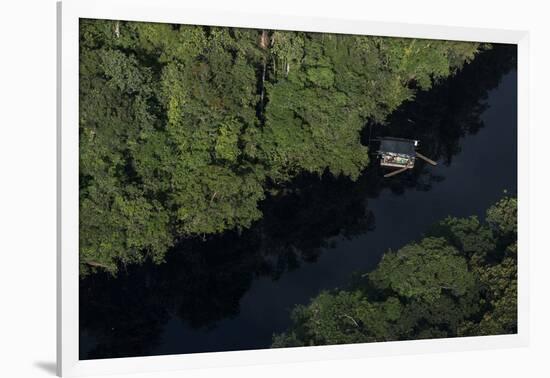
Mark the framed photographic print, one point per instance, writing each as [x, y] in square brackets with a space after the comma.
[238, 189]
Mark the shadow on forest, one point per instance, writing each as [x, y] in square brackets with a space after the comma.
[202, 282]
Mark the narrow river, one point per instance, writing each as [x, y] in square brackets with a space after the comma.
[234, 291]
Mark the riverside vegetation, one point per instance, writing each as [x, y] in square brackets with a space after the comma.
[185, 131]
[459, 280]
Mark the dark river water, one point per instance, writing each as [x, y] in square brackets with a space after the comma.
[234, 291]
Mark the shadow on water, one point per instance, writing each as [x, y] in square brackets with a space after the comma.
[234, 291]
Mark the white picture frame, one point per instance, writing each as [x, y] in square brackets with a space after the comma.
[171, 11]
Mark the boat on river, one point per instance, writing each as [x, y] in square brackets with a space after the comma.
[399, 154]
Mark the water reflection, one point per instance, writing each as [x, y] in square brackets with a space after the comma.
[205, 285]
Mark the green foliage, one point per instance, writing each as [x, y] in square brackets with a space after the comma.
[342, 318]
[500, 291]
[184, 128]
[439, 287]
[473, 239]
[498, 275]
[424, 271]
[503, 216]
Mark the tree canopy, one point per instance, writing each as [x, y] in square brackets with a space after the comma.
[459, 280]
[203, 283]
[184, 129]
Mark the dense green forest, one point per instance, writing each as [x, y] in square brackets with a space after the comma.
[459, 280]
[184, 130]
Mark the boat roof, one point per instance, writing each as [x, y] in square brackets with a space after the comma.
[397, 146]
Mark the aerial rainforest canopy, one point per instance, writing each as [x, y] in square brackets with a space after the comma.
[185, 129]
[459, 280]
